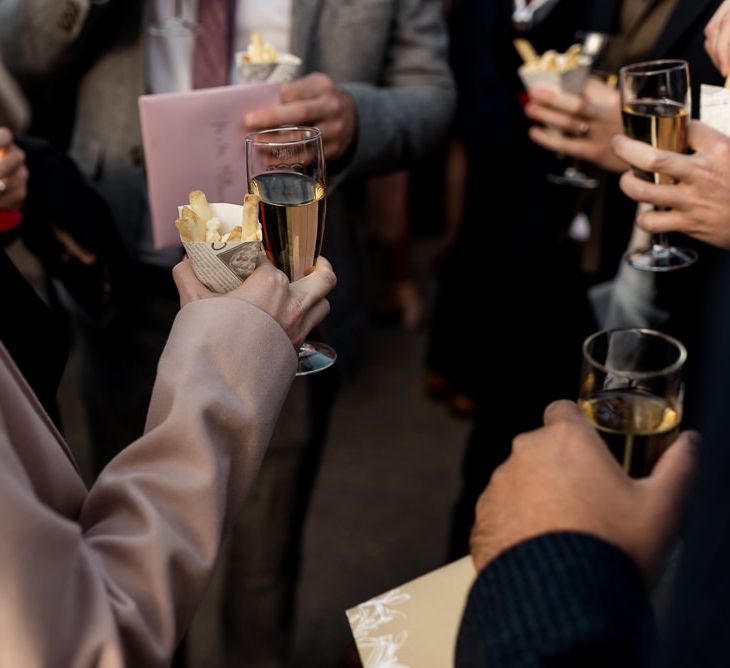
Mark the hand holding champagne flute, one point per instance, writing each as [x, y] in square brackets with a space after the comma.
[631, 391]
[285, 170]
[655, 103]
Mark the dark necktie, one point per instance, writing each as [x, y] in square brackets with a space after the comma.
[212, 46]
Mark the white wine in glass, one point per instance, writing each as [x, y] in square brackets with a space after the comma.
[285, 169]
[656, 102]
[631, 391]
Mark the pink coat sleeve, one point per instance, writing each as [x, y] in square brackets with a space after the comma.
[116, 582]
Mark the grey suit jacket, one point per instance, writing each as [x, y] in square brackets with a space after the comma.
[111, 576]
[390, 56]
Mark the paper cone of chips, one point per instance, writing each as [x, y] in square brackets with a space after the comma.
[715, 107]
[262, 62]
[223, 241]
[564, 71]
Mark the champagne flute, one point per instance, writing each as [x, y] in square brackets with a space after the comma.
[631, 390]
[285, 169]
[656, 102]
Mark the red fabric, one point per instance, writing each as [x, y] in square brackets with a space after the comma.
[212, 46]
[9, 220]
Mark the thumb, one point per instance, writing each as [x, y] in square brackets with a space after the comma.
[675, 471]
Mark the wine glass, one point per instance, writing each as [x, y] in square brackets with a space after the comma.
[285, 169]
[631, 391]
[656, 102]
[592, 46]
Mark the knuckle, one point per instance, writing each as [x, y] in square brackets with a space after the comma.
[275, 279]
[659, 162]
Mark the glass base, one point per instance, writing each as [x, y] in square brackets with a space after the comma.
[661, 258]
[574, 178]
[315, 357]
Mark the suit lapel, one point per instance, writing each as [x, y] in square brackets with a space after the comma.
[682, 20]
[305, 16]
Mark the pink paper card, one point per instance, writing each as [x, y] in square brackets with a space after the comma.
[194, 141]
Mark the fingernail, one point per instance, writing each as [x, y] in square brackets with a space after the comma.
[250, 119]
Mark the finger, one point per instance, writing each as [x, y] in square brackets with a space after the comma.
[301, 112]
[650, 159]
[655, 222]
[6, 137]
[711, 53]
[323, 263]
[310, 86]
[561, 410]
[13, 161]
[723, 46]
[558, 99]
[555, 119]
[640, 190]
[187, 283]
[675, 471]
[315, 315]
[314, 287]
[715, 42]
[558, 143]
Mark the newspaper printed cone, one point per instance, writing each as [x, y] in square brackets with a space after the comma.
[223, 266]
[284, 70]
[715, 107]
[571, 80]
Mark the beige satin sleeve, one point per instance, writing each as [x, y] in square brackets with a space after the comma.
[118, 585]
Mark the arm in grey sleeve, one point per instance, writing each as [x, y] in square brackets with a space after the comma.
[403, 118]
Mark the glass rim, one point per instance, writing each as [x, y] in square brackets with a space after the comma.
[663, 66]
[639, 375]
[252, 138]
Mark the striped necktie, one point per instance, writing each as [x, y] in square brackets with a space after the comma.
[212, 54]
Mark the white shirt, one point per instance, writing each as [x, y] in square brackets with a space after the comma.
[170, 50]
[527, 15]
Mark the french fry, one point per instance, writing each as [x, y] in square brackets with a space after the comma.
[549, 61]
[199, 204]
[572, 57]
[236, 234]
[259, 51]
[250, 221]
[197, 227]
[526, 50]
[187, 229]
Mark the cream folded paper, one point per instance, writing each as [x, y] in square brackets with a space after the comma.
[416, 624]
[715, 107]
